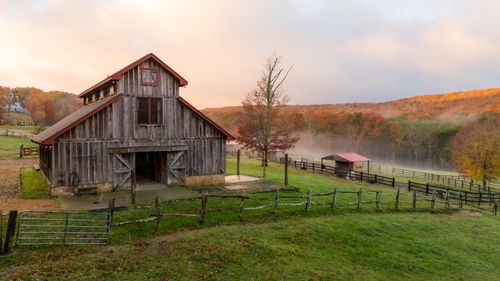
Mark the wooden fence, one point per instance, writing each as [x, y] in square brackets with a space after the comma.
[358, 199]
[476, 198]
[26, 151]
[461, 182]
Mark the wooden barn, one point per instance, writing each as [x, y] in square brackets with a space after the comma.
[134, 126]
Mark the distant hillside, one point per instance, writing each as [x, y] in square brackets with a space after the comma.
[453, 107]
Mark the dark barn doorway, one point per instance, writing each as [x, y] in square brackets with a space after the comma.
[147, 169]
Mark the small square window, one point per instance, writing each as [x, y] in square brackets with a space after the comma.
[149, 77]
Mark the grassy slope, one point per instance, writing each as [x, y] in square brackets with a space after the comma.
[9, 146]
[343, 244]
[34, 186]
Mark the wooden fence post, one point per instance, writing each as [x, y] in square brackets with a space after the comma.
[447, 199]
[203, 209]
[313, 167]
[409, 186]
[427, 188]
[495, 208]
[397, 198]
[134, 186]
[334, 199]
[286, 169]
[241, 208]
[11, 229]
[158, 214]
[480, 198]
[377, 199]
[460, 204]
[433, 200]
[111, 211]
[308, 200]
[21, 151]
[375, 178]
[359, 198]
[276, 201]
[238, 162]
[393, 182]
[1, 232]
[361, 179]
[414, 199]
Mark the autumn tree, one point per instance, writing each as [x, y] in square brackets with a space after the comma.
[476, 150]
[263, 126]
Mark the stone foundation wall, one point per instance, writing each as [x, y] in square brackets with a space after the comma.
[205, 179]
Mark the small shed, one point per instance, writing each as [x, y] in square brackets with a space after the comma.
[347, 161]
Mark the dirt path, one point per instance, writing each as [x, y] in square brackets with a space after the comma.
[9, 188]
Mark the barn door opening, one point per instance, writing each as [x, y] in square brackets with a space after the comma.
[148, 169]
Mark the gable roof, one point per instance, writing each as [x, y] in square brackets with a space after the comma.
[206, 118]
[118, 75]
[67, 123]
[350, 157]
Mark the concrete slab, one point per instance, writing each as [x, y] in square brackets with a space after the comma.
[122, 198]
[238, 179]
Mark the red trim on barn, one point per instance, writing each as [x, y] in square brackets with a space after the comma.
[118, 75]
[54, 136]
[206, 118]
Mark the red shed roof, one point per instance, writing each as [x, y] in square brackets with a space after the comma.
[350, 157]
[118, 75]
[48, 135]
[206, 118]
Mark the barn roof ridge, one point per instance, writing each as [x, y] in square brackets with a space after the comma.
[48, 135]
[118, 74]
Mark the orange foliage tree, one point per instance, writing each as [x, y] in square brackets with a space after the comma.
[263, 127]
[476, 150]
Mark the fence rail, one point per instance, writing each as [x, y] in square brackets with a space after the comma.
[477, 198]
[448, 180]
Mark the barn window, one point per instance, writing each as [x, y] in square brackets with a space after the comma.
[149, 77]
[149, 110]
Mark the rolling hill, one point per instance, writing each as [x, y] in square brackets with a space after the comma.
[456, 107]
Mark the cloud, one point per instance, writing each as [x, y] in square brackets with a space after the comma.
[341, 50]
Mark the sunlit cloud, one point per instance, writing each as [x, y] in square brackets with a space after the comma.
[342, 51]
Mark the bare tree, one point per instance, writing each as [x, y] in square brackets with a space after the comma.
[262, 127]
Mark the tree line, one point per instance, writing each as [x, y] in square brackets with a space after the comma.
[44, 108]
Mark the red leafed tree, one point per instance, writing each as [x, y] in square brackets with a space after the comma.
[263, 126]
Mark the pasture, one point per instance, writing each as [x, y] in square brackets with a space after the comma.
[341, 243]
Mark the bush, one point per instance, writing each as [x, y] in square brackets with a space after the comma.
[33, 184]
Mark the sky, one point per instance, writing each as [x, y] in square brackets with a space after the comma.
[341, 51]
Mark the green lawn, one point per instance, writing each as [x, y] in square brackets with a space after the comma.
[343, 243]
[32, 129]
[9, 146]
[34, 184]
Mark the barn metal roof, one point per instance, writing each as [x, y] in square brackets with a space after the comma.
[67, 123]
[118, 75]
[346, 157]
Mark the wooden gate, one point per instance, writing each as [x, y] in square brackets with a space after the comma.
[122, 169]
[176, 166]
[64, 228]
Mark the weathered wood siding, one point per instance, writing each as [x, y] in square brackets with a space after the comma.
[85, 149]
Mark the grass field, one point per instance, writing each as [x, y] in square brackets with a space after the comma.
[15, 117]
[325, 244]
[9, 146]
[34, 184]
[32, 129]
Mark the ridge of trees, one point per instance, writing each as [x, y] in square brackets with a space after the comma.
[44, 108]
